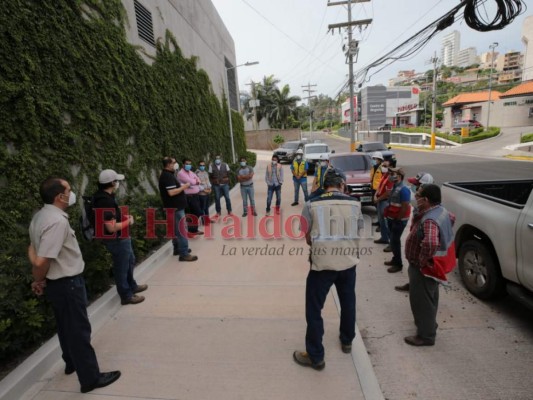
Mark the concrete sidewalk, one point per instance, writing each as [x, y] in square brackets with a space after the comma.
[223, 327]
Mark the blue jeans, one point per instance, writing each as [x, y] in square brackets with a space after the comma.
[123, 263]
[316, 291]
[69, 302]
[224, 190]
[396, 228]
[247, 192]
[204, 205]
[270, 194]
[297, 183]
[383, 225]
[180, 242]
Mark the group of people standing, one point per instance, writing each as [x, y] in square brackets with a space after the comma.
[429, 246]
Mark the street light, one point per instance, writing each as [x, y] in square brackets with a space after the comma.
[492, 46]
[246, 64]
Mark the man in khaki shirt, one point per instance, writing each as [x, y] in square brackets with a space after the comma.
[57, 272]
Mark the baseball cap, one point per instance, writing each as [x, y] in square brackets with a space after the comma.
[334, 177]
[422, 178]
[378, 154]
[398, 170]
[108, 175]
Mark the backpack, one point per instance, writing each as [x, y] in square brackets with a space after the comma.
[87, 218]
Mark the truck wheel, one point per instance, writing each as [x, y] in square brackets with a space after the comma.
[479, 270]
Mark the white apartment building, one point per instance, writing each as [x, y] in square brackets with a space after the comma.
[450, 48]
[487, 60]
[467, 57]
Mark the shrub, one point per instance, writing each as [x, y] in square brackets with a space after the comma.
[526, 138]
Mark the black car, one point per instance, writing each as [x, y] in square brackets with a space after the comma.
[386, 127]
[287, 151]
[371, 147]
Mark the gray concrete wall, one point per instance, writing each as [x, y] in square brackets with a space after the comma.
[514, 111]
[198, 29]
[264, 139]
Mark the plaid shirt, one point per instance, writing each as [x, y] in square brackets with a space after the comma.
[420, 251]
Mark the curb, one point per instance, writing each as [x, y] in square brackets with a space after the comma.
[368, 380]
[48, 357]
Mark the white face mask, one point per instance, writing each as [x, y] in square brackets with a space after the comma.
[176, 167]
[323, 163]
[274, 162]
[384, 169]
[71, 199]
[117, 185]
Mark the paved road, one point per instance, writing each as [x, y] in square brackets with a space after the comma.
[484, 350]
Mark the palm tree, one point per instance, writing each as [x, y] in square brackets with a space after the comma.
[282, 106]
[264, 93]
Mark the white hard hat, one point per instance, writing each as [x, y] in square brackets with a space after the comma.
[377, 154]
[324, 157]
[299, 151]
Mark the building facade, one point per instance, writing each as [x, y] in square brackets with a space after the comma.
[510, 65]
[467, 57]
[380, 105]
[527, 39]
[199, 32]
[450, 48]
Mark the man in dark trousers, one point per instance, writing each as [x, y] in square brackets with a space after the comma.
[430, 250]
[57, 272]
[115, 238]
[334, 222]
[173, 196]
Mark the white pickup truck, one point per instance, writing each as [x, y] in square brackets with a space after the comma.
[314, 153]
[494, 236]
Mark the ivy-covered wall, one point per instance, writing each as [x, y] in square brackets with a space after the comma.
[75, 98]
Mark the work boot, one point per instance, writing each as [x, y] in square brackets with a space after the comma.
[302, 358]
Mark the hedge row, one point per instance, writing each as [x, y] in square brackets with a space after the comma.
[75, 98]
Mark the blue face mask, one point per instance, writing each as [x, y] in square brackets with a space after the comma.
[202, 167]
[374, 163]
[217, 161]
[243, 163]
[188, 167]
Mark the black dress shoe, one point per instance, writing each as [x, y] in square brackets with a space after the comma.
[394, 269]
[69, 369]
[403, 288]
[105, 379]
[417, 341]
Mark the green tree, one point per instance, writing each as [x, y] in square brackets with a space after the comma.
[283, 105]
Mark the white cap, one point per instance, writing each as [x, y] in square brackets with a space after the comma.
[299, 151]
[108, 175]
[324, 157]
[422, 178]
[377, 154]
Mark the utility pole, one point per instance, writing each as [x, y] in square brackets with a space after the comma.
[351, 51]
[309, 97]
[492, 46]
[254, 103]
[434, 60]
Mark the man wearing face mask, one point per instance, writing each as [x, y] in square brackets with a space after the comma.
[375, 171]
[430, 250]
[173, 197]
[422, 178]
[116, 236]
[186, 175]
[318, 183]
[381, 200]
[299, 169]
[397, 213]
[274, 180]
[57, 268]
[219, 175]
[245, 176]
[205, 191]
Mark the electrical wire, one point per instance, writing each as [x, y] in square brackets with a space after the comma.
[507, 11]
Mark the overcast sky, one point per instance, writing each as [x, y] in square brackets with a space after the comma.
[290, 38]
